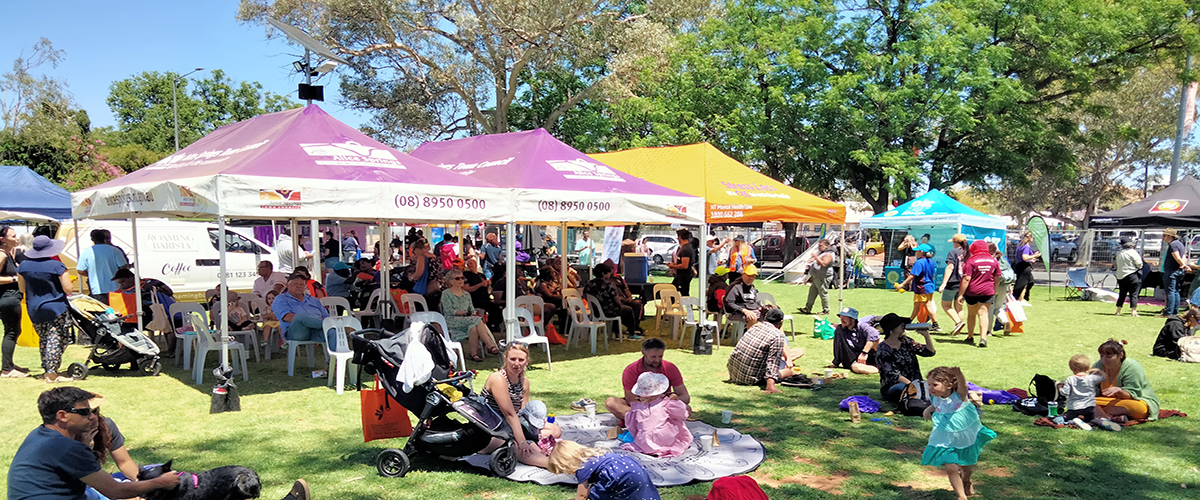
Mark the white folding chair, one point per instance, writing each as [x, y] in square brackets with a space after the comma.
[208, 341]
[332, 303]
[436, 318]
[337, 349]
[372, 308]
[766, 298]
[598, 314]
[409, 302]
[184, 336]
[572, 292]
[537, 309]
[694, 318]
[580, 321]
[257, 306]
[525, 317]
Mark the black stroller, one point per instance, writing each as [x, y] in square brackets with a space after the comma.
[112, 345]
[436, 432]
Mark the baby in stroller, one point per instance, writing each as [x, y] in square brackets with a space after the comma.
[413, 367]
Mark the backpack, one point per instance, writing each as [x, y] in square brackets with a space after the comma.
[1189, 349]
[1042, 390]
[915, 399]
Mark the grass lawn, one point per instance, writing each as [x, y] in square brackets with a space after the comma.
[296, 427]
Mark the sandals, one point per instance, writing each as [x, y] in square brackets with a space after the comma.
[476, 358]
[493, 350]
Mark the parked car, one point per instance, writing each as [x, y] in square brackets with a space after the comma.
[1062, 245]
[663, 256]
[1104, 250]
[661, 247]
[770, 248]
[873, 247]
[1193, 247]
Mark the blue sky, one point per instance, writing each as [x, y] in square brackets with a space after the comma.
[106, 40]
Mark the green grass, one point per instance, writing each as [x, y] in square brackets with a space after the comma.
[296, 427]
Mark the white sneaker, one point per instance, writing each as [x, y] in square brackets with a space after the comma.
[1081, 424]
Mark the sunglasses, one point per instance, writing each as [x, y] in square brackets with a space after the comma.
[83, 412]
[460, 278]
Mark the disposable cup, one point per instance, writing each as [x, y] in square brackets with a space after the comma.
[706, 443]
[591, 411]
[726, 416]
[828, 372]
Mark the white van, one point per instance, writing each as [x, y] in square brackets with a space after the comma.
[184, 255]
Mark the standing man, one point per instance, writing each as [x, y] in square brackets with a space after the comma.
[350, 247]
[331, 250]
[854, 342]
[586, 247]
[712, 253]
[268, 279]
[99, 263]
[299, 314]
[491, 255]
[1173, 267]
[283, 249]
[683, 262]
[53, 463]
[651, 361]
[818, 283]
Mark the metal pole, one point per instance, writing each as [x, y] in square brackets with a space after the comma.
[308, 73]
[510, 282]
[137, 273]
[562, 255]
[224, 297]
[315, 232]
[78, 252]
[385, 274]
[703, 256]
[842, 268]
[294, 227]
[175, 103]
[1177, 149]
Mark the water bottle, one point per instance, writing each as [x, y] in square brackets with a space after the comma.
[550, 418]
[1052, 408]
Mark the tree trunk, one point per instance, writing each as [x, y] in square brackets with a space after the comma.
[789, 241]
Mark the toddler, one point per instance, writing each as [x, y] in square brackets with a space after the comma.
[1081, 389]
[657, 423]
[957, 434]
[601, 475]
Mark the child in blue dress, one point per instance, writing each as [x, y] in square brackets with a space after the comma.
[957, 434]
[602, 475]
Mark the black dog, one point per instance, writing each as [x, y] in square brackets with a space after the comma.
[232, 482]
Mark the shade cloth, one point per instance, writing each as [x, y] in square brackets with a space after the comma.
[733, 192]
[1177, 205]
[555, 183]
[933, 208]
[26, 191]
[300, 163]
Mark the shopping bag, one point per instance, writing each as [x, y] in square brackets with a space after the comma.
[383, 418]
[1016, 315]
[29, 336]
[160, 320]
[822, 329]
[555, 338]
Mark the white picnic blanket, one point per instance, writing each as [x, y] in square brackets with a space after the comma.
[737, 454]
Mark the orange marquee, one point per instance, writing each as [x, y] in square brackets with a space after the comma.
[733, 193]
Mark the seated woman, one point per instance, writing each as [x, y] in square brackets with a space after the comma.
[507, 392]
[897, 357]
[657, 422]
[550, 290]
[106, 440]
[461, 319]
[1175, 328]
[1126, 393]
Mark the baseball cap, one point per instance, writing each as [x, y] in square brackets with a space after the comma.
[721, 271]
[122, 273]
[958, 238]
[751, 269]
[849, 312]
[925, 247]
[773, 315]
[341, 266]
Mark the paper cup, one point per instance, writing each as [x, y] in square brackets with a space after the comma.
[726, 416]
[828, 372]
[706, 443]
[591, 411]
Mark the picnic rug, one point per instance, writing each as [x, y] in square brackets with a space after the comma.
[737, 454]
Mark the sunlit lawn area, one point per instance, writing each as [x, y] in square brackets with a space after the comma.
[296, 427]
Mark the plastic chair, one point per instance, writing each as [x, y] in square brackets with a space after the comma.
[526, 316]
[332, 303]
[766, 298]
[257, 306]
[410, 302]
[579, 320]
[291, 353]
[436, 318]
[599, 315]
[658, 304]
[693, 319]
[669, 308]
[372, 309]
[537, 309]
[572, 292]
[208, 341]
[184, 336]
[337, 349]
[1076, 282]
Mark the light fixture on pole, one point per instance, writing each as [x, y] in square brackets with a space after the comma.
[175, 103]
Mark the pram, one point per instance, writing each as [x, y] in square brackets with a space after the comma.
[437, 432]
[112, 345]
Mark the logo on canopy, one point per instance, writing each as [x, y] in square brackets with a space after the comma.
[582, 169]
[186, 197]
[279, 198]
[1168, 207]
[352, 154]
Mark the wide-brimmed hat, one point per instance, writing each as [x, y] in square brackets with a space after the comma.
[1170, 231]
[740, 237]
[95, 401]
[849, 312]
[651, 384]
[890, 321]
[45, 246]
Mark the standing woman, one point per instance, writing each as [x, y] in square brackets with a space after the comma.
[45, 284]
[908, 254]
[419, 255]
[979, 275]
[1024, 268]
[10, 302]
[951, 298]
[1129, 276]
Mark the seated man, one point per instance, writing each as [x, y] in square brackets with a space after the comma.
[299, 314]
[761, 354]
[741, 302]
[268, 279]
[337, 282]
[854, 343]
[52, 463]
[651, 361]
[613, 300]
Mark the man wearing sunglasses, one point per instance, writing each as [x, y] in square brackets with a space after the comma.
[52, 463]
